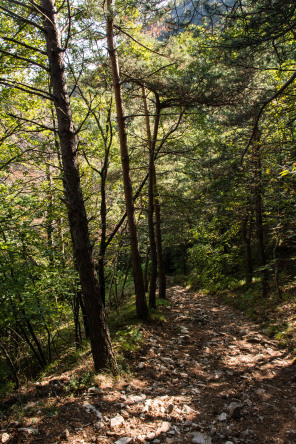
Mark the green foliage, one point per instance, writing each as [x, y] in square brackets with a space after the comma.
[128, 339]
[80, 383]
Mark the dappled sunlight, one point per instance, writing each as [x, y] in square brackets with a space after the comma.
[206, 373]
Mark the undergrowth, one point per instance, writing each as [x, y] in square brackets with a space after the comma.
[276, 316]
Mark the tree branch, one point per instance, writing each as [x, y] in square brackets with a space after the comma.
[44, 127]
[24, 45]
[26, 88]
[274, 96]
[22, 19]
[15, 56]
[141, 44]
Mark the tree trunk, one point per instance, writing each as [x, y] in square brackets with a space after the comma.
[160, 260]
[146, 268]
[153, 252]
[102, 251]
[99, 334]
[258, 211]
[141, 304]
[246, 238]
[49, 214]
[11, 364]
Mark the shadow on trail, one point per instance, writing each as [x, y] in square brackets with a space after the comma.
[185, 378]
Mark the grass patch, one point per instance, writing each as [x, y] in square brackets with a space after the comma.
[125, 315]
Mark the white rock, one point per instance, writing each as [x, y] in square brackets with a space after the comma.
[184, 330]
[187, 410]
[123, 440]
[134, 399]
[4, 438]
[222, 417]
[165, 427]
[117, 421]
[99, 425]
[201, 438]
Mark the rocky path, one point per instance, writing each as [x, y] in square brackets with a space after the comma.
[205, 376]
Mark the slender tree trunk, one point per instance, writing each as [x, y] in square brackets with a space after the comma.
[49, 215]
[160, 259]
[99, 334]
[153, 252]
[146, 268]
[102, 251]
[125, 278]
[35, 339]
[258, 210]
[246, 238]
[141, 303]
[156, 206]
[11, 364]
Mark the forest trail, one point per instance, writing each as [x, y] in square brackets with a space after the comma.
[207, 375]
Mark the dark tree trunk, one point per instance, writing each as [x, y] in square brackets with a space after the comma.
[160, 260]
[246, 238]
[153, 252]
[76, 307]
[146, 268]
[99, 334]
[141, 304]
[159, 252]
[84, 315]
[36, 341]
[102, 251]
[258, 210]
[49, 215]
[11, 364]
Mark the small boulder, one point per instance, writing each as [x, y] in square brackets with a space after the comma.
[235, 409]
[124, 440]
[116, 421]
[222, 417]
[164, 428]
[4, 438]
[201, 438]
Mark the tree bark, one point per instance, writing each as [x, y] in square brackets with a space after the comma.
[102, 251]
[160, 260]
[246, 238]
[153, 252]
[258, 210]
[141, 304]
[99, 335]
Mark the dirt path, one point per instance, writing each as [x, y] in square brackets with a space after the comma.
[206, 376]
